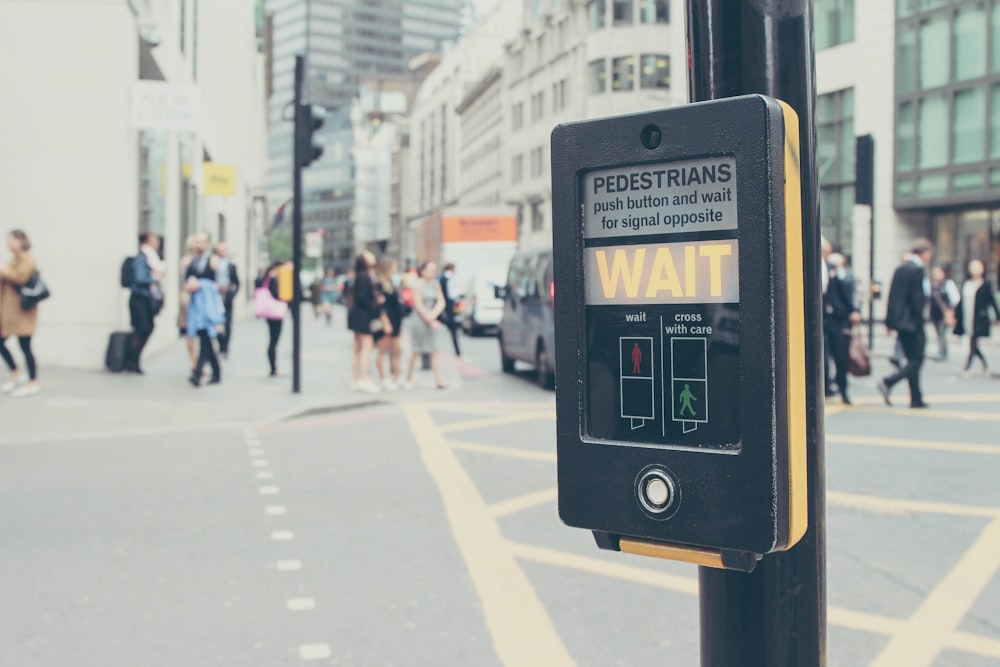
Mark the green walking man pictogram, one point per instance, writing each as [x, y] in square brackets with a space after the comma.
[686, 397]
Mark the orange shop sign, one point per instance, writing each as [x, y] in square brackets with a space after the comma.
[477, 228]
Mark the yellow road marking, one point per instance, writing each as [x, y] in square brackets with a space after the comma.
[525, 502]
[489, 407]
[839, 616]
[496, 421]
[523, 633]
[503, 451]
[901, 506]
[903, 411]
[906, 443]
[614, 569]
[927, 631]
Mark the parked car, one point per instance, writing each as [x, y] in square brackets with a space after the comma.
[527, 326]
[484, 307]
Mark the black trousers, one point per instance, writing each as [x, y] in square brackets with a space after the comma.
[913, 343]
[142, 314]
[206, 354]
[29, 358]
[227, 334]
[274, 333]
[835, 337]
[449, 321]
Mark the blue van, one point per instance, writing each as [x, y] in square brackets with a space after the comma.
[527, 327]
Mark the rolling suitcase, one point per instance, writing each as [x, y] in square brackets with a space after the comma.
[115, 357]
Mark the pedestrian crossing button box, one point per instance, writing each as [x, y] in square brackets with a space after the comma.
[680, 355]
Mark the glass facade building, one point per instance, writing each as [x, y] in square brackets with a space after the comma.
[947, 157]
[347, 43]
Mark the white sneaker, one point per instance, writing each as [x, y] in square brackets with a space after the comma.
[22, 392]
[11, 385]
[389, 384]
[368, 387]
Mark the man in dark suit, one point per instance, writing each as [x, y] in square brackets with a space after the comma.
[839, 315]
[909, 294]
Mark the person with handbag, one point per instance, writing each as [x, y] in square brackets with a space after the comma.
[205, 310]
[364, 319]
[15, 320]
[272, 310]
[146, 298]
[839, 314]
[976, 312]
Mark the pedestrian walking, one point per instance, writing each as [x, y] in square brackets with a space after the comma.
[268, 307]
[228, 280]
[329, 293]
[909, 293]
[185, 299]
[826, 248]
[205, 311]
[428, 304]
[16, 321]
[977, 310]
[840, 313]
[364, 313]
[449, 316]
[944, 298]
[146, 298]
[389, 343]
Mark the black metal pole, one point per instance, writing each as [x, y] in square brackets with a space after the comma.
[297, 226]
[871, 265]
[775, 616]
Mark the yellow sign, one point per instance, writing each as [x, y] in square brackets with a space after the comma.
[698, 272]
[220, 179]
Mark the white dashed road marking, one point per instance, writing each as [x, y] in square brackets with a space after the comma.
[315, 651]
[288, 565]
[282, 536]
[300, 604]
[269, 490]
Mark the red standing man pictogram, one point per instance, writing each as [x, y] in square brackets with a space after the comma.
[636, 360]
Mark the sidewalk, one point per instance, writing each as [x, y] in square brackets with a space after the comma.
[75, 402]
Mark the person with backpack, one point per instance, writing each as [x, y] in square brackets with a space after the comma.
[143, 274]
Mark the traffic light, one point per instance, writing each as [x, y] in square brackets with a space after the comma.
[308, 120]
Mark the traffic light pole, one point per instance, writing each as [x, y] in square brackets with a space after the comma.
[297, 227]
[776, 615]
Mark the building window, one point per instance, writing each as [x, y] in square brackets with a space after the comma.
[835, 161]
[537, 220]
[517, 169]
[598, 76]
[969, 133]
[537, 163]
[655, 71]
[933, 132]
[623, 12]
[833, 22]
[995, 125]
[555, 98]
[517, 116]
[537, 106]
[183, 25]
[596, 14]
[995, 38]
[654, 11]
[970, 43]
[935, 63]
[906, 137]
[906, 59]
[623, 73]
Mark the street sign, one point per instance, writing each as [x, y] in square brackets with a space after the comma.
[680, 326]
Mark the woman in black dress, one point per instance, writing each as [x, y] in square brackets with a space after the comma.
[388, 341]
[975, 314]
[363, 314]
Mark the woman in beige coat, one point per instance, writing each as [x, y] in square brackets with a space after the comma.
[16, 321]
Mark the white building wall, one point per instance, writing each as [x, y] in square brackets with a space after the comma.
[69, 176]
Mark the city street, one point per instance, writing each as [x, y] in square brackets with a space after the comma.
[144, 522]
